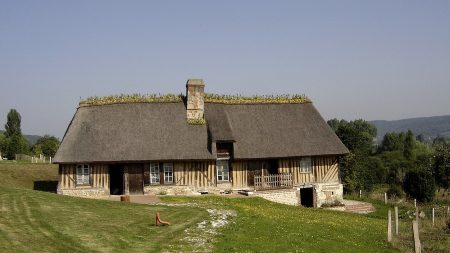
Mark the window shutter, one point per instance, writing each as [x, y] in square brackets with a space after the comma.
[146, 174]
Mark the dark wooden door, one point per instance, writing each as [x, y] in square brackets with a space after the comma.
[136, 178]
[254, 169]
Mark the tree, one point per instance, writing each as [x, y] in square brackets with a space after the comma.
[47, 145]
[420, 185]
[358, 170]
[356, 135]
[12, 126]
[408, 146]
[441, 165]
[392, 142]
[16, 144]
[2, 143]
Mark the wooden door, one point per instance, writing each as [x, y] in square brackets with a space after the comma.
[136, 178]
[254, 169]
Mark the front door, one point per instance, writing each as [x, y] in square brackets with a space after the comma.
[136, 178]
[254, 169]
[116, 179]
[307, 197]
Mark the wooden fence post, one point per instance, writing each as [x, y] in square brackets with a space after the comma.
[385, 198]
[396, 220]
[415, 203]
[389, 229]
[432, 215]
[360, 193]
[416, 236]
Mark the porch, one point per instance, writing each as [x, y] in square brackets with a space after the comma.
[273, 181]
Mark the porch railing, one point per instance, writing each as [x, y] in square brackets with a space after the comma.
[273, 181]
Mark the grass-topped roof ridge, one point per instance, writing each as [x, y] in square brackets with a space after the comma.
[133, 98]
[209, 98]
[257, 99]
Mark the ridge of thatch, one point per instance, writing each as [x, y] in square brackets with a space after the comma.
[256, 99]
[208, 98]
[133, 98]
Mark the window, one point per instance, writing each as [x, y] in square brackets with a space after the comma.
[83, 174]
[223, 171]
[305, 165]
[154, 173]
[168, 173]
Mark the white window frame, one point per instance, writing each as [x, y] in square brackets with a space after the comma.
[83, 174]
[154, 173]
[168, 173]
[223, 170]
[306, 165]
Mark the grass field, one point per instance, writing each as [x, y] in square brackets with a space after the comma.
[263, 226]
[40, 221]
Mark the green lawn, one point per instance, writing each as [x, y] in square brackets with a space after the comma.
[263, 226]
[40, 221]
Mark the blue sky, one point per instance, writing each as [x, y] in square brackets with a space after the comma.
[355, 59]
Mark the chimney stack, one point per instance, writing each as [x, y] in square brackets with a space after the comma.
[195, 105]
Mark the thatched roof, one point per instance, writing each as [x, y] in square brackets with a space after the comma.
[159, 131]
[273, 130]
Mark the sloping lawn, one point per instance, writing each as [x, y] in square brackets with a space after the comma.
[33, 221]
[27, 175]
[263, 226]
[36, 221]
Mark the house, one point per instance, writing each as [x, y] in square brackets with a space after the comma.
[199, 142]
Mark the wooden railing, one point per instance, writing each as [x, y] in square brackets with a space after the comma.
[273, 181]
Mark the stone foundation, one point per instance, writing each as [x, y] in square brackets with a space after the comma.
[327, 193]
[86, 192]
[169, 190]
[287, 197]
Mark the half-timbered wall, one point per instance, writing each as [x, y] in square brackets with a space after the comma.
[98, 181]
[98, 178]
[325, 169]
[198, 174]
[239, 174]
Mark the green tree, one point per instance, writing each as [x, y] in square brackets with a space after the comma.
[16, 144]
[356, 135]
[441, 165]
[392, 142]
[358, 170]
[420, 185]
[47, 145]
[12, 126]
[408, 147]
[2, 144]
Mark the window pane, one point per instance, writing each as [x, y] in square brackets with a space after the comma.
[223, 173]
[168, 172]
[154, 173]
[79, 174]
[305, 165]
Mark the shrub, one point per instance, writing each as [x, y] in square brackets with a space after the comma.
[447, 228]
[395, 191]
[419, 185]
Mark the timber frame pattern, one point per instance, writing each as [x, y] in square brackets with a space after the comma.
[255, 144]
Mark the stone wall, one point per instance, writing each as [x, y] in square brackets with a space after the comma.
[85, 192]
[328, 193]
[287, 197]
[169, 190]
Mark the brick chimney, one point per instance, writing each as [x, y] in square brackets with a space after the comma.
[195, 105]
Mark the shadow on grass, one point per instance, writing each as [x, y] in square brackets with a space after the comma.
[46, 186]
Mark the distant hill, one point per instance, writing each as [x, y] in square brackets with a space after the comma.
[430, 127]
[32, 139]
